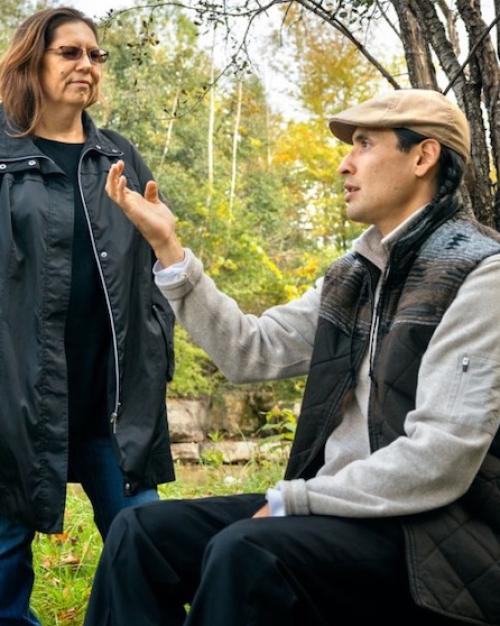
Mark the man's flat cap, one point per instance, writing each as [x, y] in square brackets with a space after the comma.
[424, 111]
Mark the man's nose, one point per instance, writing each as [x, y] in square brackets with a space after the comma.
[346, 165]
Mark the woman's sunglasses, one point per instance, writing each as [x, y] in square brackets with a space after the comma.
[75, 53]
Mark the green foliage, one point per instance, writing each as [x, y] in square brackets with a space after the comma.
[287, 222]
[279, 430]
[215, 436]
[194, 373]
[65, 565]
[212, 457]
[281, 423]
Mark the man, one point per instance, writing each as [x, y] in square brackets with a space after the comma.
[390, 506]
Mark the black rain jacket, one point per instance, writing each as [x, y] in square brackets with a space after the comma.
[36, 232]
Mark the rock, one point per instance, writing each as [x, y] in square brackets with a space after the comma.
[277, 451]
[232, 414]
[186, 452]
[186, 419]
[232, 451]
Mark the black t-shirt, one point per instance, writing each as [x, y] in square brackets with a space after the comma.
[87, 340]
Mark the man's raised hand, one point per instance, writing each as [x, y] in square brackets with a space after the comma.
[150, 215]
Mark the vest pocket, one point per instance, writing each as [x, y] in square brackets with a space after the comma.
[474, 395]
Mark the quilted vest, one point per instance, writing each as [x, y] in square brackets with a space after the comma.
[453, 553]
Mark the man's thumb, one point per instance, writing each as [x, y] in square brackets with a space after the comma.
[151, 192]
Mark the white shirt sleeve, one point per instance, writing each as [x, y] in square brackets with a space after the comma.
[172, 274]
[276, 503]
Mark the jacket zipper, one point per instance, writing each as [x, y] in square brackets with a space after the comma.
[114, 414]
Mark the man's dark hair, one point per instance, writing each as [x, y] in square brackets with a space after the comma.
[451, 165]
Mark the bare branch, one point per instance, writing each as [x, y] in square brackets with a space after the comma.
[317, 8]
[471, 53]
[451, 18]
[497, 13]
[283, 21]
[383, 13]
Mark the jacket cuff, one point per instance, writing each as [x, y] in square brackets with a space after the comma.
[191, 273]
[295, 496]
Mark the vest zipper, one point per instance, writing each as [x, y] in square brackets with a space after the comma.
[114, 415]
[376, 314]
[373, 434]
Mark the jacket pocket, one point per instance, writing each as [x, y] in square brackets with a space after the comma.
[166, 321]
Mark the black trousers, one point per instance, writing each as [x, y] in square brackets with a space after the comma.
[238, 571]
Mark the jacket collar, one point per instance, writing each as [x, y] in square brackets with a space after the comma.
[403, 242]
[18, 148]
[376, 248]
[411, 239]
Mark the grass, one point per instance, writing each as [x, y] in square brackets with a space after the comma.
[65, 563]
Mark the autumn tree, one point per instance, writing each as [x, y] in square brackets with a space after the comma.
[275, 217]
[428, 31]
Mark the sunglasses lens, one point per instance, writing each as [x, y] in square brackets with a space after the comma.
[98, 56]
[74, 53]
[71, 53]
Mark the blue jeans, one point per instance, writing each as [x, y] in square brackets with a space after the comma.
[96, 468]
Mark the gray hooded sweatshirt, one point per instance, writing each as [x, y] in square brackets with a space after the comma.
[448, 432]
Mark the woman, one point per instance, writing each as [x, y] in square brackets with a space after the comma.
[82, 370]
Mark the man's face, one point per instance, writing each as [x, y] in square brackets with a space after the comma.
[380, 184]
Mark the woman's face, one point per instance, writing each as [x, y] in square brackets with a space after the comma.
[66, 82]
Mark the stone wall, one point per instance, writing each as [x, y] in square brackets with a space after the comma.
[223, 429]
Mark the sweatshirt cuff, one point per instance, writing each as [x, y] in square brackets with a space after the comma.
[176, 281]
[295, 496]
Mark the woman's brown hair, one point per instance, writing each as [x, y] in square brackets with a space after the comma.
[20, 88]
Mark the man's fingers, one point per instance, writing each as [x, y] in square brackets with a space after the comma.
[114, 174]
[130, 201]
[118, 167]
[116, 184]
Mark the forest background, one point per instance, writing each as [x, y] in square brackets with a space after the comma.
[255, 188]
[255, 192]
[252, 176]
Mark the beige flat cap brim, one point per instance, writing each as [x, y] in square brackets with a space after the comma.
[424, 111]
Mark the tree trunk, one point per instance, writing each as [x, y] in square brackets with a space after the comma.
[417, 53]
[497, 13]
[451, 18]
[169, 128]
[268, 130]
[234, 158]
[211, 125]
[489, 79]
[469, 99]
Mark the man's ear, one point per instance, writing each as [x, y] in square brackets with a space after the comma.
[427, 156]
